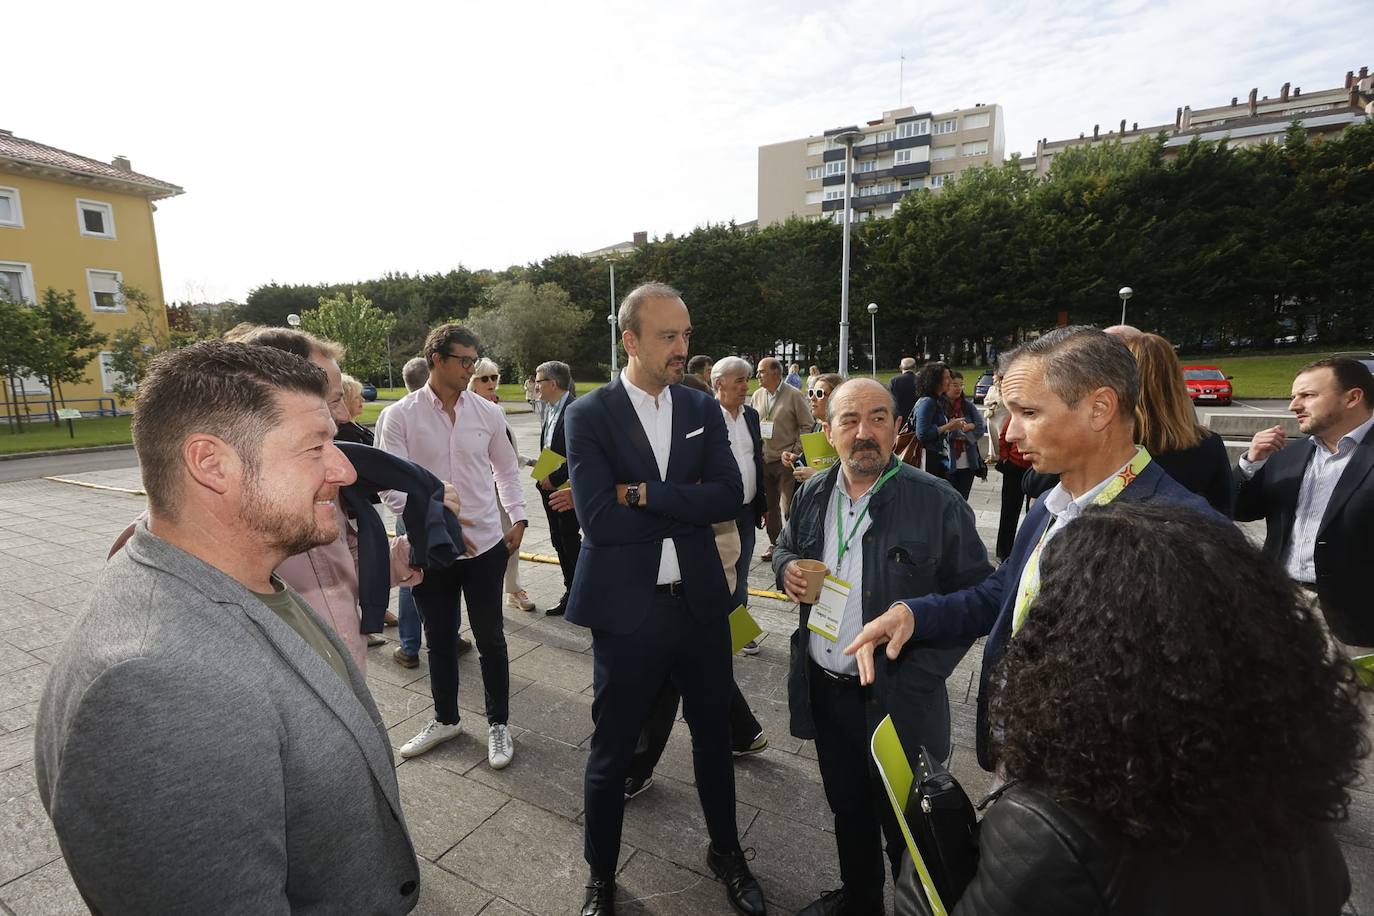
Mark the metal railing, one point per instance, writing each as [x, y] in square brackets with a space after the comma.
[46, 407]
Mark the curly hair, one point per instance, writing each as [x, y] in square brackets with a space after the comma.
[1169, 678]
[930, 381]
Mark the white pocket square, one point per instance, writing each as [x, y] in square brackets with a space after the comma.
[695, 432]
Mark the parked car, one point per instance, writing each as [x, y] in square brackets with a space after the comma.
[369, 391]
[1207, 384]
[980, 388]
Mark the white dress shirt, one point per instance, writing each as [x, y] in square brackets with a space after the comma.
[467, 453]
[1318, 483]
[827, 654]
[656, 416]
[742, 445]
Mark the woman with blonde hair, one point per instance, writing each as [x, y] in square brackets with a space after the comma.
[1167, 426]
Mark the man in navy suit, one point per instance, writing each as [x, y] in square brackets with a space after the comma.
[1316, 495]
[553, 381]
[652, 471]
[1072, 395]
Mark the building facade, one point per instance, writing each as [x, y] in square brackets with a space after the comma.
[70, 222]
[903, 151]
[1248, 122]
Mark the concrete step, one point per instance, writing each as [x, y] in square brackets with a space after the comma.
[1244, 426]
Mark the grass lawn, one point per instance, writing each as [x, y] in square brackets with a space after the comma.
[1269, 376]
[41, 436]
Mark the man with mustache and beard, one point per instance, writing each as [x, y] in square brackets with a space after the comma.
[651, 471]
[204, 735]
[885, 530]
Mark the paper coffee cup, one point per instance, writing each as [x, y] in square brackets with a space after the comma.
[815, 572]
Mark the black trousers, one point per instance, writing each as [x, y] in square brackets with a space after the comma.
[846, 717]
[478, 580]
[962, 480]
[1012, 500]
[935, 464]
[566, 534]
[629, 671]
[744, 728]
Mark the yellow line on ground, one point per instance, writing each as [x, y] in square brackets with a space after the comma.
[96, 486]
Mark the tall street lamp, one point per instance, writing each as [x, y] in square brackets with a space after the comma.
[873, 314]
[847, 136]
[615, 352]
[1125, 293]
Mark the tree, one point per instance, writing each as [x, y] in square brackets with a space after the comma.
[18, 347]
[66, 342]
[131, 349]
[358, 325]
[523, 325]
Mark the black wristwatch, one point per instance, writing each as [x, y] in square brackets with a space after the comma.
[632, 496]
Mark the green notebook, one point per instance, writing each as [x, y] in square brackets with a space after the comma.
[743, 628]
[547, 463]
[820, 454]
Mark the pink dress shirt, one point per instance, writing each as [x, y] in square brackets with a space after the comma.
[467, 453]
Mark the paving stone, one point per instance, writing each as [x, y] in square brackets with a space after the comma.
[49, 891]
[16, 780]
[670, 823]
[442, 807]
[571, 671]
[553, 713]
[545, 772]
[652, 886]
[12, 659]
[457, 756]
[784, 784]
[977, 782]
[381, 666]
[443, 893]
[525, 855]
[30, 841]
[1359, 861]
[794, 862]
[18, 717]
[48, 632]
[499, 907]
[558, 633]
[397, 704]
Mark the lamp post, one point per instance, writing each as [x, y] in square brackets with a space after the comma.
[847, 136]
[294, 320]
[873, 314]
[615, 352]
[1125, 293]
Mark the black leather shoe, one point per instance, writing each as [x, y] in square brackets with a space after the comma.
[838, 903]
[558, 609]
[741, 889]
[600, 898]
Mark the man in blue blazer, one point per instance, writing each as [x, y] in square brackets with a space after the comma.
[553, 380]
[1072, 395]
[652, 471]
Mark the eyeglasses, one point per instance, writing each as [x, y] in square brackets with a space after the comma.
[467, 362]
[488, 378]
[816, 393]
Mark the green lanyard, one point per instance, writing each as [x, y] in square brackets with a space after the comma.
[841, 540]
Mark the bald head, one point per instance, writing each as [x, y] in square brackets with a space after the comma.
[770, 374]
[1124, 332]
[861, 422]
[908, 364]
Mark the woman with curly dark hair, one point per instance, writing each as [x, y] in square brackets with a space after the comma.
[1177, 730]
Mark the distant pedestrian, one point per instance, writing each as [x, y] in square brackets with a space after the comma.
[794, 376]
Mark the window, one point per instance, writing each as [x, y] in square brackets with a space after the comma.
[16, 281]
[941, 152]
[108, 376]
[95, 219]
[835, 167]
[885, 136]
[814, 171]
[939, 181]
[947, 126]
[104, 286]
[902, 157]
[834, 193]
[980, 148]
[10, 213]
[913, 129]
[975, 121]
[815, 149]
[865, 165]
[813, 197]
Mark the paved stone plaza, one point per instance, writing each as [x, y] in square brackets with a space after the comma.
[493, 843]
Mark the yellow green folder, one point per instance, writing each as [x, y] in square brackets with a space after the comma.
[820, 454]
[1364, 667]
[548, 462]
[743, 628]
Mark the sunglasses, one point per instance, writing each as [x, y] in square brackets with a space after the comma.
[488, 378]
[467, 362]
[816, 393]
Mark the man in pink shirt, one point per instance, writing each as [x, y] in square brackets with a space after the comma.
[460, 438]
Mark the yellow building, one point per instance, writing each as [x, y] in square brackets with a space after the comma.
[74, 223]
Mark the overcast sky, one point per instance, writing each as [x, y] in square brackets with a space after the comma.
[336, 141]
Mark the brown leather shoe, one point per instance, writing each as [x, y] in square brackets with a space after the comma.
[405, 659]
[389, 619]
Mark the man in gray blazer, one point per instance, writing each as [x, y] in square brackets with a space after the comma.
[205, 743]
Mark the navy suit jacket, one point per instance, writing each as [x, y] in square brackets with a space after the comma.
[986, 609]
[760, 503]
[1342, 551]
[558, 442]
[618, 566]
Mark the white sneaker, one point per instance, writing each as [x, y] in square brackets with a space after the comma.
[433, 733]
[500, 747]
[751, 647]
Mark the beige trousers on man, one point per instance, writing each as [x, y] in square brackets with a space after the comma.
[778, 487]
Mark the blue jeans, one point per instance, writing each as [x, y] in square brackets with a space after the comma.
[408, 622]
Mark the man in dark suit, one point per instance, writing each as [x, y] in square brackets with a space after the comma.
[903, 388]
[1317, 496]
[653, 472]
[1072, 395]
[553, 381]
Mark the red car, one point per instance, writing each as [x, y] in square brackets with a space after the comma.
[1207, 384]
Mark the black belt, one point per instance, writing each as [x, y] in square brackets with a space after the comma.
[1310, 586]
[670, 588]
[852, 679]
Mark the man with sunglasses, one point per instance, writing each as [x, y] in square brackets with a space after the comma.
[460, 437]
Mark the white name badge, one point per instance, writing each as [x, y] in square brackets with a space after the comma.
[766, 429]
[827, 613]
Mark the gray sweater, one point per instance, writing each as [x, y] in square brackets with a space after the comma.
[197, 756]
